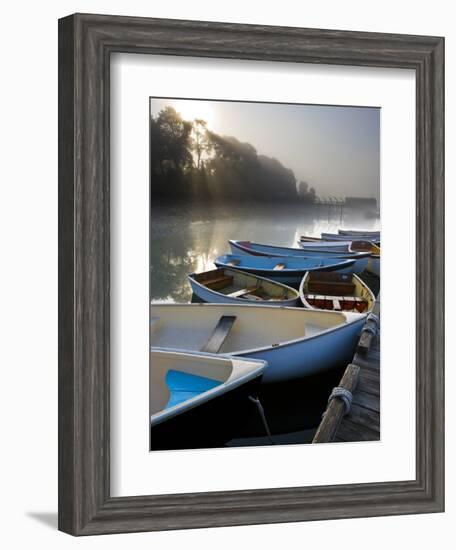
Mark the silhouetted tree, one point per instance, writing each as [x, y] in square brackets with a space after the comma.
[190, 161]
[305, 193]
[200, 143]
[170, 153]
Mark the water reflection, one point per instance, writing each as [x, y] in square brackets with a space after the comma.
[185, 239]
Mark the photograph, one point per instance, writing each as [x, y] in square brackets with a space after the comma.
[224, 356]
[264, 273]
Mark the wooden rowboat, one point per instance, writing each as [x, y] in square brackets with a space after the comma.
[286, 270]
[232, 286]
[335, 292]
[295, 342]
[199, 397]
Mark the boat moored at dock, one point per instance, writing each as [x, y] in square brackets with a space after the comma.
[195, 397]
[295, 342]
[336, 292]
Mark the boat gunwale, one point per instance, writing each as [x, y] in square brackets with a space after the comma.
[208, 395]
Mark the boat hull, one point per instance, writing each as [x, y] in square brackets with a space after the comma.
[338, 237]
[361, 259]
[210, 424]
[360, 290]
[325, 246]
[213, 297]
[373, 265]
[295, 360]
[355, 233]
[295, 342]
[292, 274]
[238, 247]
[281, 276]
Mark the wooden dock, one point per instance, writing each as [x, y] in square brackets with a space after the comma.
[362, 380]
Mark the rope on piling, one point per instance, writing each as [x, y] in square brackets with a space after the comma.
[345, 395]
[370, 328]
[374, 318]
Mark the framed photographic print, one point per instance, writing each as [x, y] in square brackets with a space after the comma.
[230, 197]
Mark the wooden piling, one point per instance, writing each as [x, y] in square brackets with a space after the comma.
[335, 410]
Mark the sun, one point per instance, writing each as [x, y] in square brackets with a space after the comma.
[192, 109]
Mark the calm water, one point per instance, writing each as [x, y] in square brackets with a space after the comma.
[188, 239]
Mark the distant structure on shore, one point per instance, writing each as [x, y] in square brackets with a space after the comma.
[356, 202]
[338, 205]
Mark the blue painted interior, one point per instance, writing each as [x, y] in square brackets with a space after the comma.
[183, 386]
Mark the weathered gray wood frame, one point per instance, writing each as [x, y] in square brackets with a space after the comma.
[85, 45]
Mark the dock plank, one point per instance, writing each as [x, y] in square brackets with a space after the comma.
[349, 431]
[364, 417]
[368, 384]
[367, 400]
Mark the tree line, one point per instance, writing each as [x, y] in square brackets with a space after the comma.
[189, 161]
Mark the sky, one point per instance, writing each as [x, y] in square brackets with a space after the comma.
[335, 149]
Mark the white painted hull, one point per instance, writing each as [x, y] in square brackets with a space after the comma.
[294, 341]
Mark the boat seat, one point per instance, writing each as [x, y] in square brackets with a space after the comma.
[242, 292]
[339, 288]
[278, 267]
[254, 298]
[183, 386]
[219, 334]
[216, 283]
